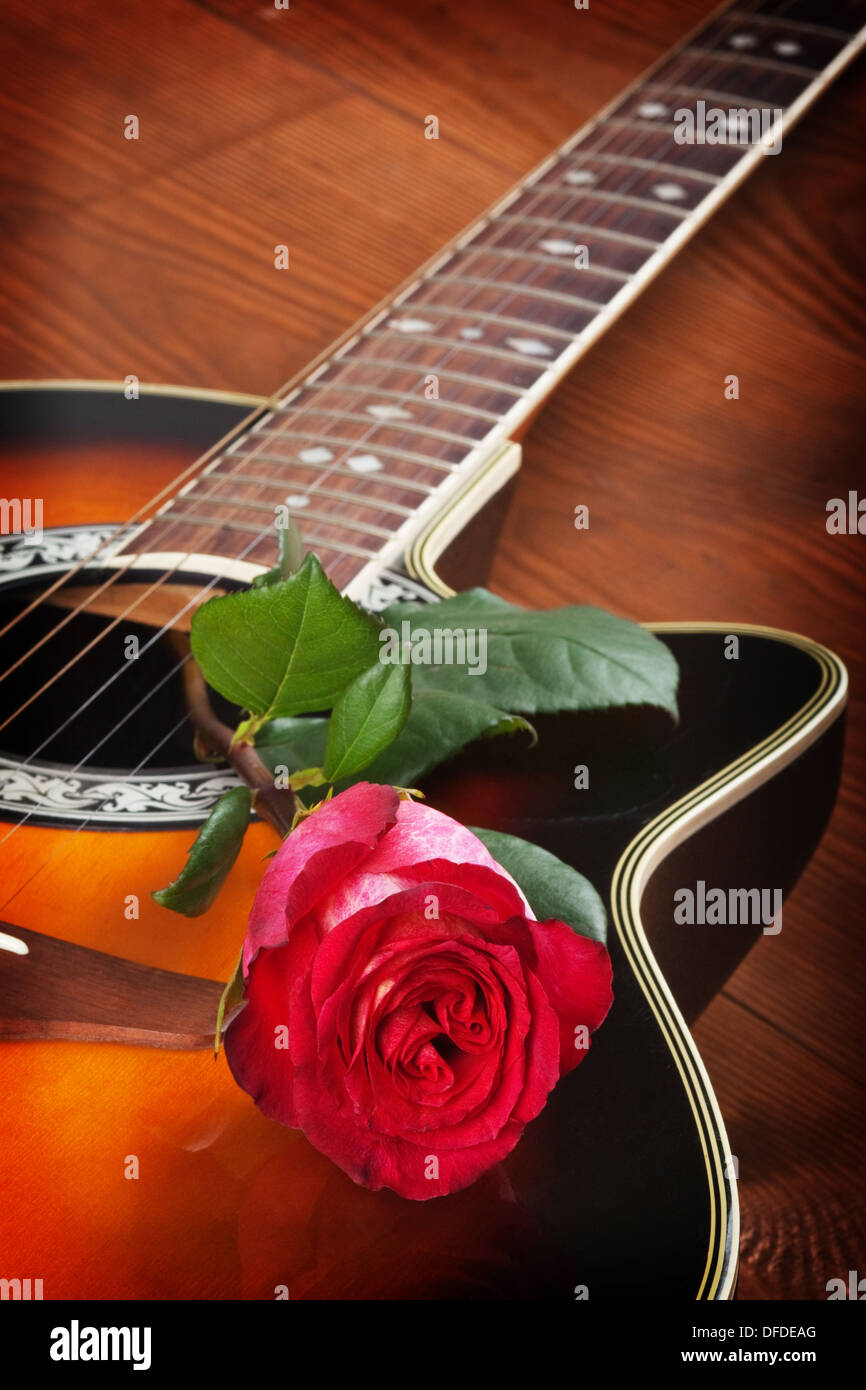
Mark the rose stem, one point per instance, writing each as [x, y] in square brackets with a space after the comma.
[213, 737]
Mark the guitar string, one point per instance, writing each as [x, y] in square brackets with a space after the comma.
[189, 518]
[512, 290]
[157, 635]
[67, 841]
[176, 525]
[296, 384]
[129, 525]
[86, 758]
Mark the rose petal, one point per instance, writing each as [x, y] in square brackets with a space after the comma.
[419, 829]
[419, 1045]
[320, 852]
[398, 1163]
[277, 983]
[576, 976]
[335, 951]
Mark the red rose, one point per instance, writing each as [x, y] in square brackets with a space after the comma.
[404, 1007]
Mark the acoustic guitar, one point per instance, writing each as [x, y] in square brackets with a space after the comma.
[133, 1166]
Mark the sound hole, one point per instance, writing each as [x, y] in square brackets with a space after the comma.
[102, 706]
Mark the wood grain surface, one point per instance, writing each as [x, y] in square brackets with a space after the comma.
[306, 127]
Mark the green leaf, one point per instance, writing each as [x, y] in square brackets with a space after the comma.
[565, 659]
[572, 658]
[552, 888]
[285, 649]
[295, 743]
[512, 724]
[211, 856]
[367, 717]
[232, 995]
[439, 725]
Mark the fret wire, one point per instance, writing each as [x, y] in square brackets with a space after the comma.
[340, 495]
[346, 523]
[433, 464]
[437, 403]
[771, 63]
[338, 469]
[714, 69]
[436, 309]
[406, 366]
[465, 346]
[731, 98]
[194, 519]
[520, 323]
[457, 312]
[341, 549]
[263, 506]
[655, 165]
[647, 127]
[530, 184]
[370, 529]
[585, 227]
[663, 153]
[573, 150]
[352, 444]
[401, 425]
[680, 63]
[627, 200]
[695, 72]
[492, 248]
[513, 293]
[551, 295]
[782, 22]
[499, 318]
[217, 524]
[623, 200]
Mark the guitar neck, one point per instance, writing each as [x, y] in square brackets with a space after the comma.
[374, 438]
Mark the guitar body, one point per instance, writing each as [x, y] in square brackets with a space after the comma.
[132, 1165]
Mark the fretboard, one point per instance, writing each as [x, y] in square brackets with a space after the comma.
[367, 445]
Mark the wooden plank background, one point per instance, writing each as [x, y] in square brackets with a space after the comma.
[262, 126]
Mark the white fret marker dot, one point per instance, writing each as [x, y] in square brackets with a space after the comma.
[389, 412]
[743, 41]
[579, 176]
[315, 455]
[787, 48]
[410, 325]
[557, 246]
[668, 192]
[471, 334]
[364, 463]
[298, 500]
[530, 347]
[650, 110]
